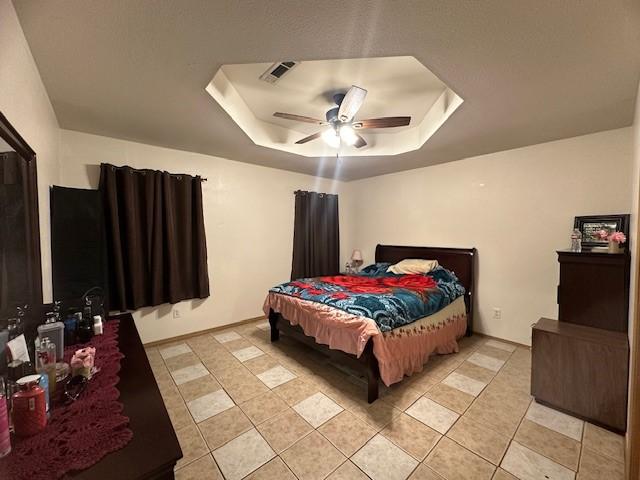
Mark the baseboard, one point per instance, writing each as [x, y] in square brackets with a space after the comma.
[186, 336]
[510, 342]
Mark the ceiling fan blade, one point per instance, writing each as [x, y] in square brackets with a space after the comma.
[360, 142]
[384, 122]
[351, 103]
[309, 138]
[299, 118]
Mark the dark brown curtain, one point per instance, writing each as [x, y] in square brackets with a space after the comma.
[156, 242]
[316, 235]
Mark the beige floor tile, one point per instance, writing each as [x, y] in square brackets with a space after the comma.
[243, 388]
[485, 361]
[317, 409]
[433, 414]
[186, 374]
[209, 405]
[260, 364]
[181, 361]
[480, 439]
[276, 376]
[551, 444]
[347, 471]
[235, 345]
[555, 420]
[243, 455]
[174, 350]
[313, 457]
[508, 347]
[401, 397]
[180, 416]
[526, 464]
[284, 430]
[192, 445]
[598, 467]
[224, 427]
[247, 353]
[502, 414]
[464, 383]
[604, 442]
[263, 407]
[423, 472]
[378, 414]
[454, 462]
[498, 353]
[382, 460]
[227, 337]
[276, 469]
[347, 432]
[221, 363]
[503, 475]
[171, 396]
[198, 387]
[202, 469]
[412, 436]
[296, 390]
[450, 397]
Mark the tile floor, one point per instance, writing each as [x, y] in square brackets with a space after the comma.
[245, 408]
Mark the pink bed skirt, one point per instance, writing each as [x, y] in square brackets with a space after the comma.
[403, 351]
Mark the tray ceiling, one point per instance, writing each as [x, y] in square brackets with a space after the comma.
[528, 72]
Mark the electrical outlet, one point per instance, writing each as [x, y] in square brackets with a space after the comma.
[497, 313]
[176, 313]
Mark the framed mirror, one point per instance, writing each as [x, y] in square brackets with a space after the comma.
[20, 262]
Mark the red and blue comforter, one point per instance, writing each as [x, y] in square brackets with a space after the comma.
[390, 300]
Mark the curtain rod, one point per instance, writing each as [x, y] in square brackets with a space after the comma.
[143, 170]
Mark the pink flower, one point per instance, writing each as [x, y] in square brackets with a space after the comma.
[617, 237]
[83, 358]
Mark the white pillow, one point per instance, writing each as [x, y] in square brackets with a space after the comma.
[413, 266]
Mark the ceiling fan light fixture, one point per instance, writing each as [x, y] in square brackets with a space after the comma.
[331, 138]
[347, 135]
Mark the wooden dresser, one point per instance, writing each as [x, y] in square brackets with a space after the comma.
[594, 289]
[580, 362]
[154, 450]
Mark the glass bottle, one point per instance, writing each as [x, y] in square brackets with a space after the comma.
[576, 240]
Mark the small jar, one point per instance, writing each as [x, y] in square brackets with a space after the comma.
[29, 408]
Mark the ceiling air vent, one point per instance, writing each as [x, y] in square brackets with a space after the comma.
[276, 71]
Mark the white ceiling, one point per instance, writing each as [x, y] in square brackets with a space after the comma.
[396, 86]
[528, 71]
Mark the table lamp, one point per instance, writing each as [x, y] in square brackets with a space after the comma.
[356, 259]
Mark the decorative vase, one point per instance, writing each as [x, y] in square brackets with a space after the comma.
[614, 247]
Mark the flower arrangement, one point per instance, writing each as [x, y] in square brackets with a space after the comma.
[83, 361]
[617, 237]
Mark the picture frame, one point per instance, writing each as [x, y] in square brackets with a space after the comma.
[590, 224]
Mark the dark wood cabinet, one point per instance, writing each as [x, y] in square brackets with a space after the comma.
[581, 370]
[594, 289]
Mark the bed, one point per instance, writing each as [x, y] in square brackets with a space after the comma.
[382, 353]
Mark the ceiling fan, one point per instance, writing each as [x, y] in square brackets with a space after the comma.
[341, 123]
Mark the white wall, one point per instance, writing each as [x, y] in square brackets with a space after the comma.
[24, 101]
[516, 207]
[248, 213]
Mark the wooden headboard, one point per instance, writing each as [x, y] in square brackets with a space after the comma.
[461, 261]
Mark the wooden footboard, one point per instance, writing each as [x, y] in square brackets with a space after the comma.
[367, 363]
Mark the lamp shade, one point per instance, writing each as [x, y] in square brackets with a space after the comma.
[356, 256]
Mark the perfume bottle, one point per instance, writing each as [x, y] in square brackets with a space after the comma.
[53, 329]
[46, 356]
[29, 408]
